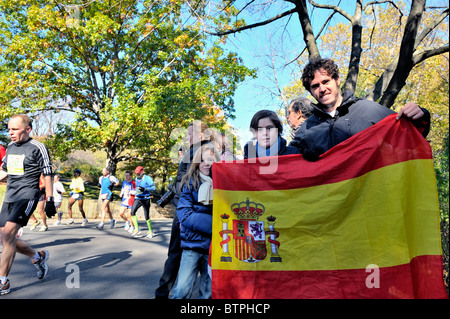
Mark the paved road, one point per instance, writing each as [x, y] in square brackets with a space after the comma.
[88, 263]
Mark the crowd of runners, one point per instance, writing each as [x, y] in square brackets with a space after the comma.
[134, 194]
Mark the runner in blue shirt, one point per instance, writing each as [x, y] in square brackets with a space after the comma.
[144, 187]
[107, 183]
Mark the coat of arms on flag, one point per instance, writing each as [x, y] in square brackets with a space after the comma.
[249, 234]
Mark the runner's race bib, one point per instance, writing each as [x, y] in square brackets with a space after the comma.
[15, 164]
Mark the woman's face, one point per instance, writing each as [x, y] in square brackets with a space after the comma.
[267, 133]
[207, 161]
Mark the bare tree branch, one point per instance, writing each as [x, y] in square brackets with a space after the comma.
[431, 27]
[331, 7]
[422, 55]
[370, 3]
[254, 25]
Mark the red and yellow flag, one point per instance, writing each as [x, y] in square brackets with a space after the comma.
[362, 222]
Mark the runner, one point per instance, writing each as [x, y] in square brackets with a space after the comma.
[144, 185]
[58, 191]
[127, 195]
[2, 154]
[25, 160]
[76, 195]
[107, 183]
[40, 208]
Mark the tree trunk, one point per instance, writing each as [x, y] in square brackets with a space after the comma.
[111, 159]
[308, 34]
[405, 59]
[355, 54]
[382, 82]
[164, 179]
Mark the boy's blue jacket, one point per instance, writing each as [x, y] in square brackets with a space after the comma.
[145, 182]
[196, 221]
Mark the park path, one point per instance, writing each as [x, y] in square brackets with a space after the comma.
[88, 263]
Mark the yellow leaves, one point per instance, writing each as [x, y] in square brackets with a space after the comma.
[182, 41]
[239, 23]
[149, 28]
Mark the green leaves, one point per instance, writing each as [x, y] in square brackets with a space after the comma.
[129, 71]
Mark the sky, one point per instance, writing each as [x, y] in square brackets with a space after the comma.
[277, 43]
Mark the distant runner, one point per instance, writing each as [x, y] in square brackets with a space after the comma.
[76, 195]
[107, 183]
[144, 187]
[127, 194]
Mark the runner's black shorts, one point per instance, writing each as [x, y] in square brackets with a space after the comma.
[17, 212]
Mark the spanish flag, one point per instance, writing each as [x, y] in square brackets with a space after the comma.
[362, 222]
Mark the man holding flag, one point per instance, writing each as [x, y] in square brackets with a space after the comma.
[343, 227]
[336, 117]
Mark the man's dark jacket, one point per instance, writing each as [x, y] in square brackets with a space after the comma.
[321, 131]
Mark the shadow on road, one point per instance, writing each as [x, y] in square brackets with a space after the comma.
[105, 260]
[66, 241]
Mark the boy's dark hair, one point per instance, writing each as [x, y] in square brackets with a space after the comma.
[317, 64]
[266, 114]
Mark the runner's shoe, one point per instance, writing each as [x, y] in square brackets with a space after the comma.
[135, 233]
[150, 235]
[41, 264]
[84, 223]
[5, 288]
[35, 224]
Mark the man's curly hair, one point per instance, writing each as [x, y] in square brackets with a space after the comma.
[317, 64]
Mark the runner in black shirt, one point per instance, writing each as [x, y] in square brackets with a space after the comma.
[25, 160]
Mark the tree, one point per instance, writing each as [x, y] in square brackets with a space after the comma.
[411, 51]
[427, 83]
[119, 67]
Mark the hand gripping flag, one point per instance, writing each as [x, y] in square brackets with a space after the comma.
[362, 222]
